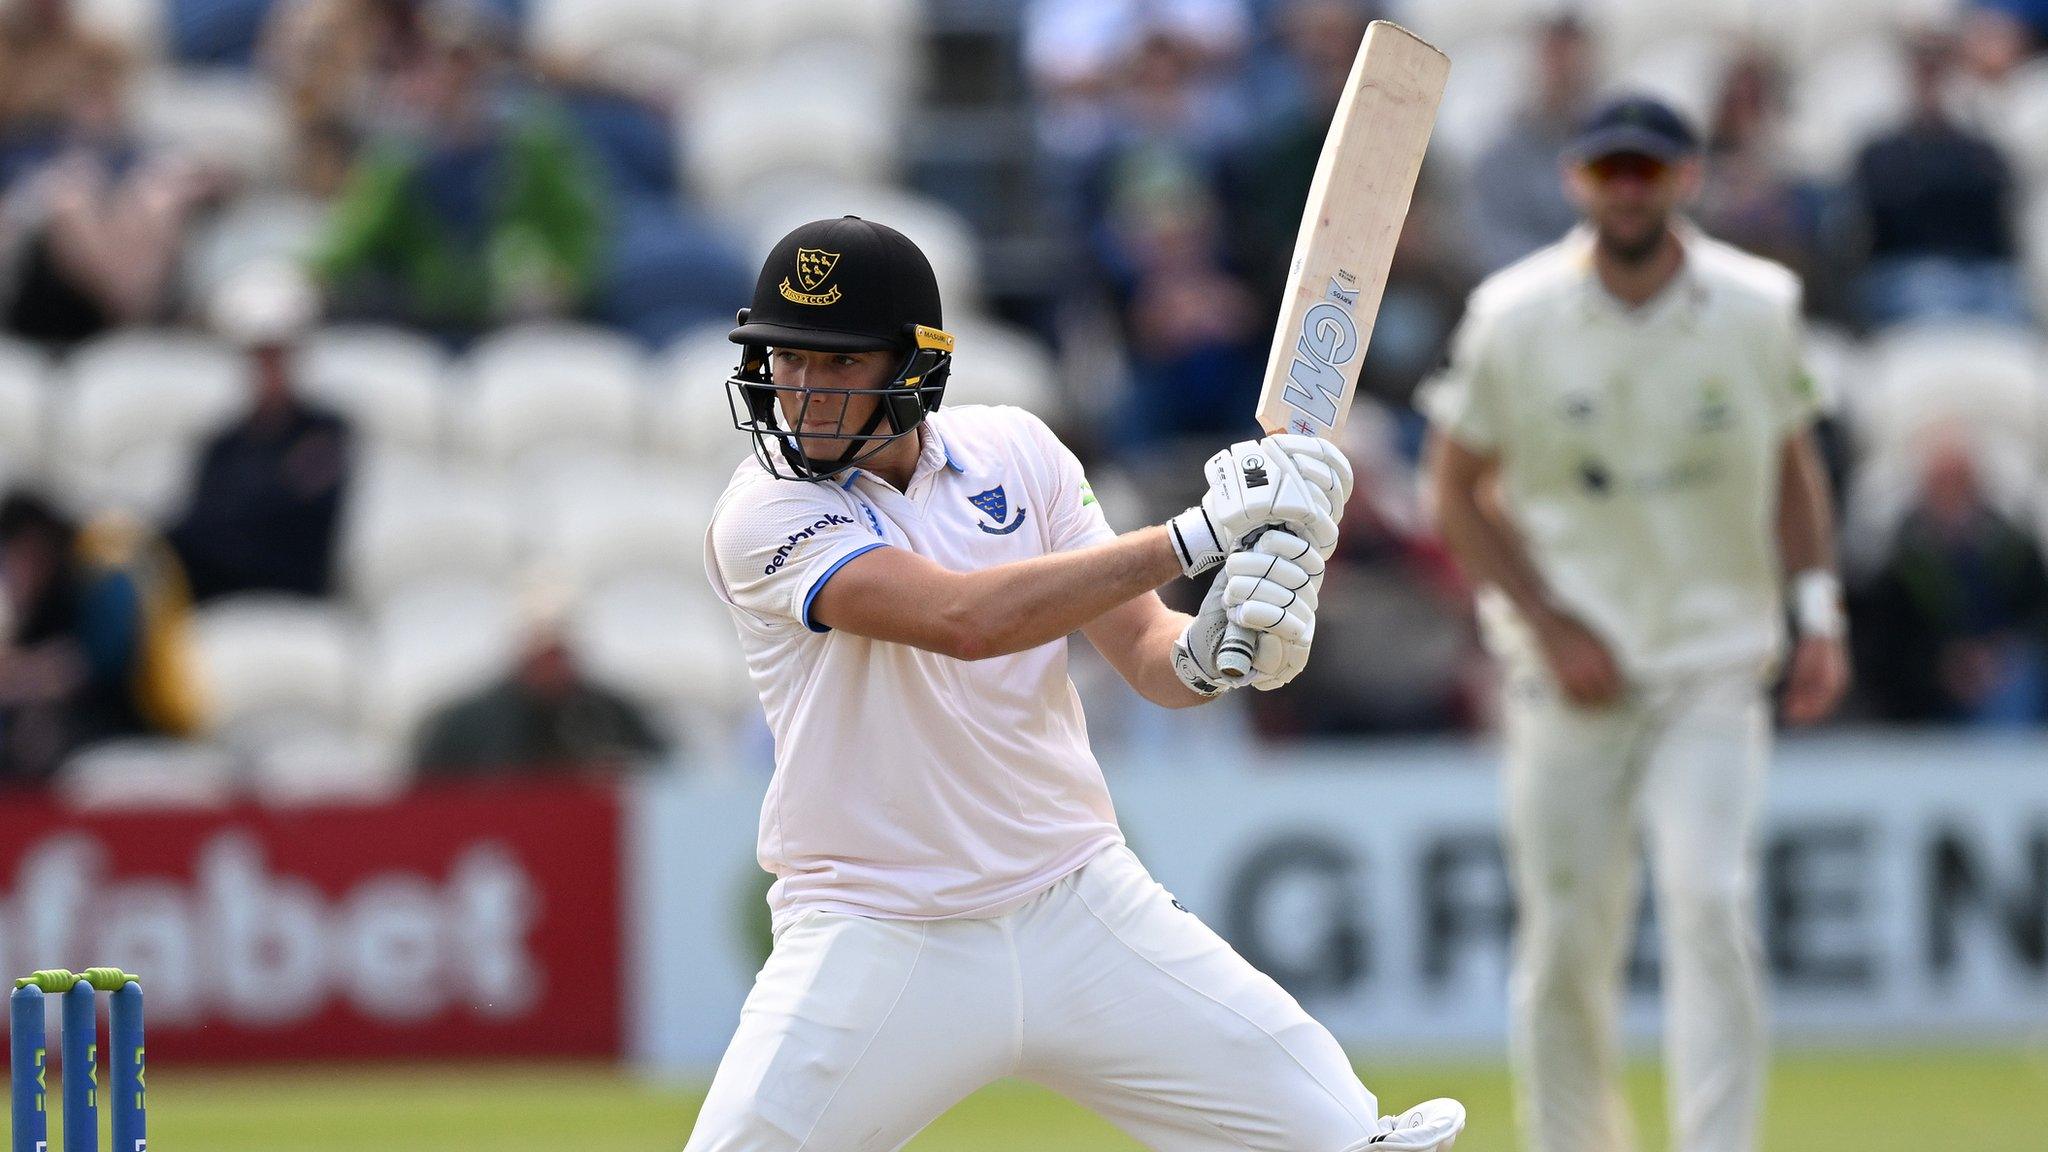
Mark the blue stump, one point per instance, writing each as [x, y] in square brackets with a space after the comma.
[124, 1039]
[28, 1062]
[81, 1069]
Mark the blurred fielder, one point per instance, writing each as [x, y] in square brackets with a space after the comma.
[953, 901]
[1624, 457]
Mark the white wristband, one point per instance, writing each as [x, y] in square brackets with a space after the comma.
[1817, 604]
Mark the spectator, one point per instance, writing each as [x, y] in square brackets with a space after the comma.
[1937, 203]
[267, 502]
[1079, 53]
[1958, 613]
[543, 717]
[334, 62]
[91, 223]
[1999, 35]
[477, 206]
[1518, 203]
[1749, 197]
[93, 640]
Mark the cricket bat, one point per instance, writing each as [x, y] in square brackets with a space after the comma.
[1353, 218]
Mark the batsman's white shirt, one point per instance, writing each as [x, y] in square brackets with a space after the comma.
[908, 784]
[1639, 447]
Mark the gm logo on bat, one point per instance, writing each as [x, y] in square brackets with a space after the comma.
[1328, 341]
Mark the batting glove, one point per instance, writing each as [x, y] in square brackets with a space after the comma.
[1322, 464]
[1252, 484]
[1431, 1126]
[1270, 588]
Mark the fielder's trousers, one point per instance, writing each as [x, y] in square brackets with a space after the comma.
[1680, 764]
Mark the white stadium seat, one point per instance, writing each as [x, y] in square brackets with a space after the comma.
[1489, 83]
[273, 662]
[137, 24]
[754, 129]
[643, 45]
[548, 386]
[408, 524]
[132, 412]
[1840, 100]
[430, 645]
[693, 421]
[995, 363]
[24, 406]
[594, 524]
[1685, 71]
[388, 382]
[2021, 120]
[259, 230]
[875, 46]
[223, 115]
[1808, 27]
[667, 641]
[149, 772]
[326, 766]
[1458, 24]
[2034, 245]
[1985, 378]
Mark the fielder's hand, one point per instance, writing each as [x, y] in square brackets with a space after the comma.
[1583, 666]
[1252, 484]
[1816, 679]
[1270, 588]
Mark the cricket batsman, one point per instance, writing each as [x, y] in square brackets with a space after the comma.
[953, 900]
[1623, 457]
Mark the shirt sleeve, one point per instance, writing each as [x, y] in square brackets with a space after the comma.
[1795, 393]
[774, 544]
[1073, 517]
[1464, 400]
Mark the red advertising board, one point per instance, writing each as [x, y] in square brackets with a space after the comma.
[469, 922]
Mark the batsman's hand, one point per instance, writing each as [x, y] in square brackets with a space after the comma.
[1252, 484]
[1270, 588]
[1322, 464]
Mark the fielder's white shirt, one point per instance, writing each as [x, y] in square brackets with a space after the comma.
[909, 784]
[1639, 447]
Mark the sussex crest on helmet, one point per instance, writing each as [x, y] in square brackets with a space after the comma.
[813, 267]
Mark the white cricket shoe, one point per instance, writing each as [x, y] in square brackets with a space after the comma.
[1431, 1126]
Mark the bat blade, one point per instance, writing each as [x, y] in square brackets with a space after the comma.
[1356, 205]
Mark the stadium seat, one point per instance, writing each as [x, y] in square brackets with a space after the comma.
[430, 644]
[1983, 377]
[1686, 71]
[943, 233]
[138, 25]
[271, 662]
[668, 272]
[1838, 363]
[407, 522]
[149, 772]
[2019, 120]
[1839, 100]
[24, 405]
[1461, 23]
[225, 115]
[389, 382]
[666, 640]
[693, 422]
[1809, 27]
[754, 128]
[1489, 82]
[131, 411]
[595, 524]
[995, 363]
[326, 766]
[257, 230]
[2034, 245]
[550, 385]
[643, 46]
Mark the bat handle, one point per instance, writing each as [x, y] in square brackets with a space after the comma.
[1234, 655]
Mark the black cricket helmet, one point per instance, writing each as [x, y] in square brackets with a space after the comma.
[845, 285]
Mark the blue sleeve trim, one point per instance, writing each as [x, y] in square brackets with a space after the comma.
[819, 586]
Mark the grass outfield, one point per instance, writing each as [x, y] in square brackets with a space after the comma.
[1965, 1101]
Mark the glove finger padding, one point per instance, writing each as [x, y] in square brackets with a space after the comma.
[1275, 661]
[1322, 464]
[1288, 546]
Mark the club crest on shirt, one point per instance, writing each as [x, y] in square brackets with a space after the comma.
[996, 506]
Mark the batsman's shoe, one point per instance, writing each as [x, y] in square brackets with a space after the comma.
[1431, 1126]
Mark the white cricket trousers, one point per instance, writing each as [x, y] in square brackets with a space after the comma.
[861, 1031]
[1681, 763]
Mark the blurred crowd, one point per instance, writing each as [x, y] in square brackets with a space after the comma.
[314, 269]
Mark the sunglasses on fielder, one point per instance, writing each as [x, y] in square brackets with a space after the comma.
[1626, 166]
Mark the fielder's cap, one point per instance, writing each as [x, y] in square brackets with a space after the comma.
[1640, 125]
[845, 285]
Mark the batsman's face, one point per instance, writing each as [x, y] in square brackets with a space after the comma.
[1629, 199]
[819, 411]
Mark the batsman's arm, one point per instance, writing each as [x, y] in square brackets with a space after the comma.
[895, 595]
[1137, 639]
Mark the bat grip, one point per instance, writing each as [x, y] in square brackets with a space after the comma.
[1234, 655]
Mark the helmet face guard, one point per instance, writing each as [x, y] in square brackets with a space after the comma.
[755, 400]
